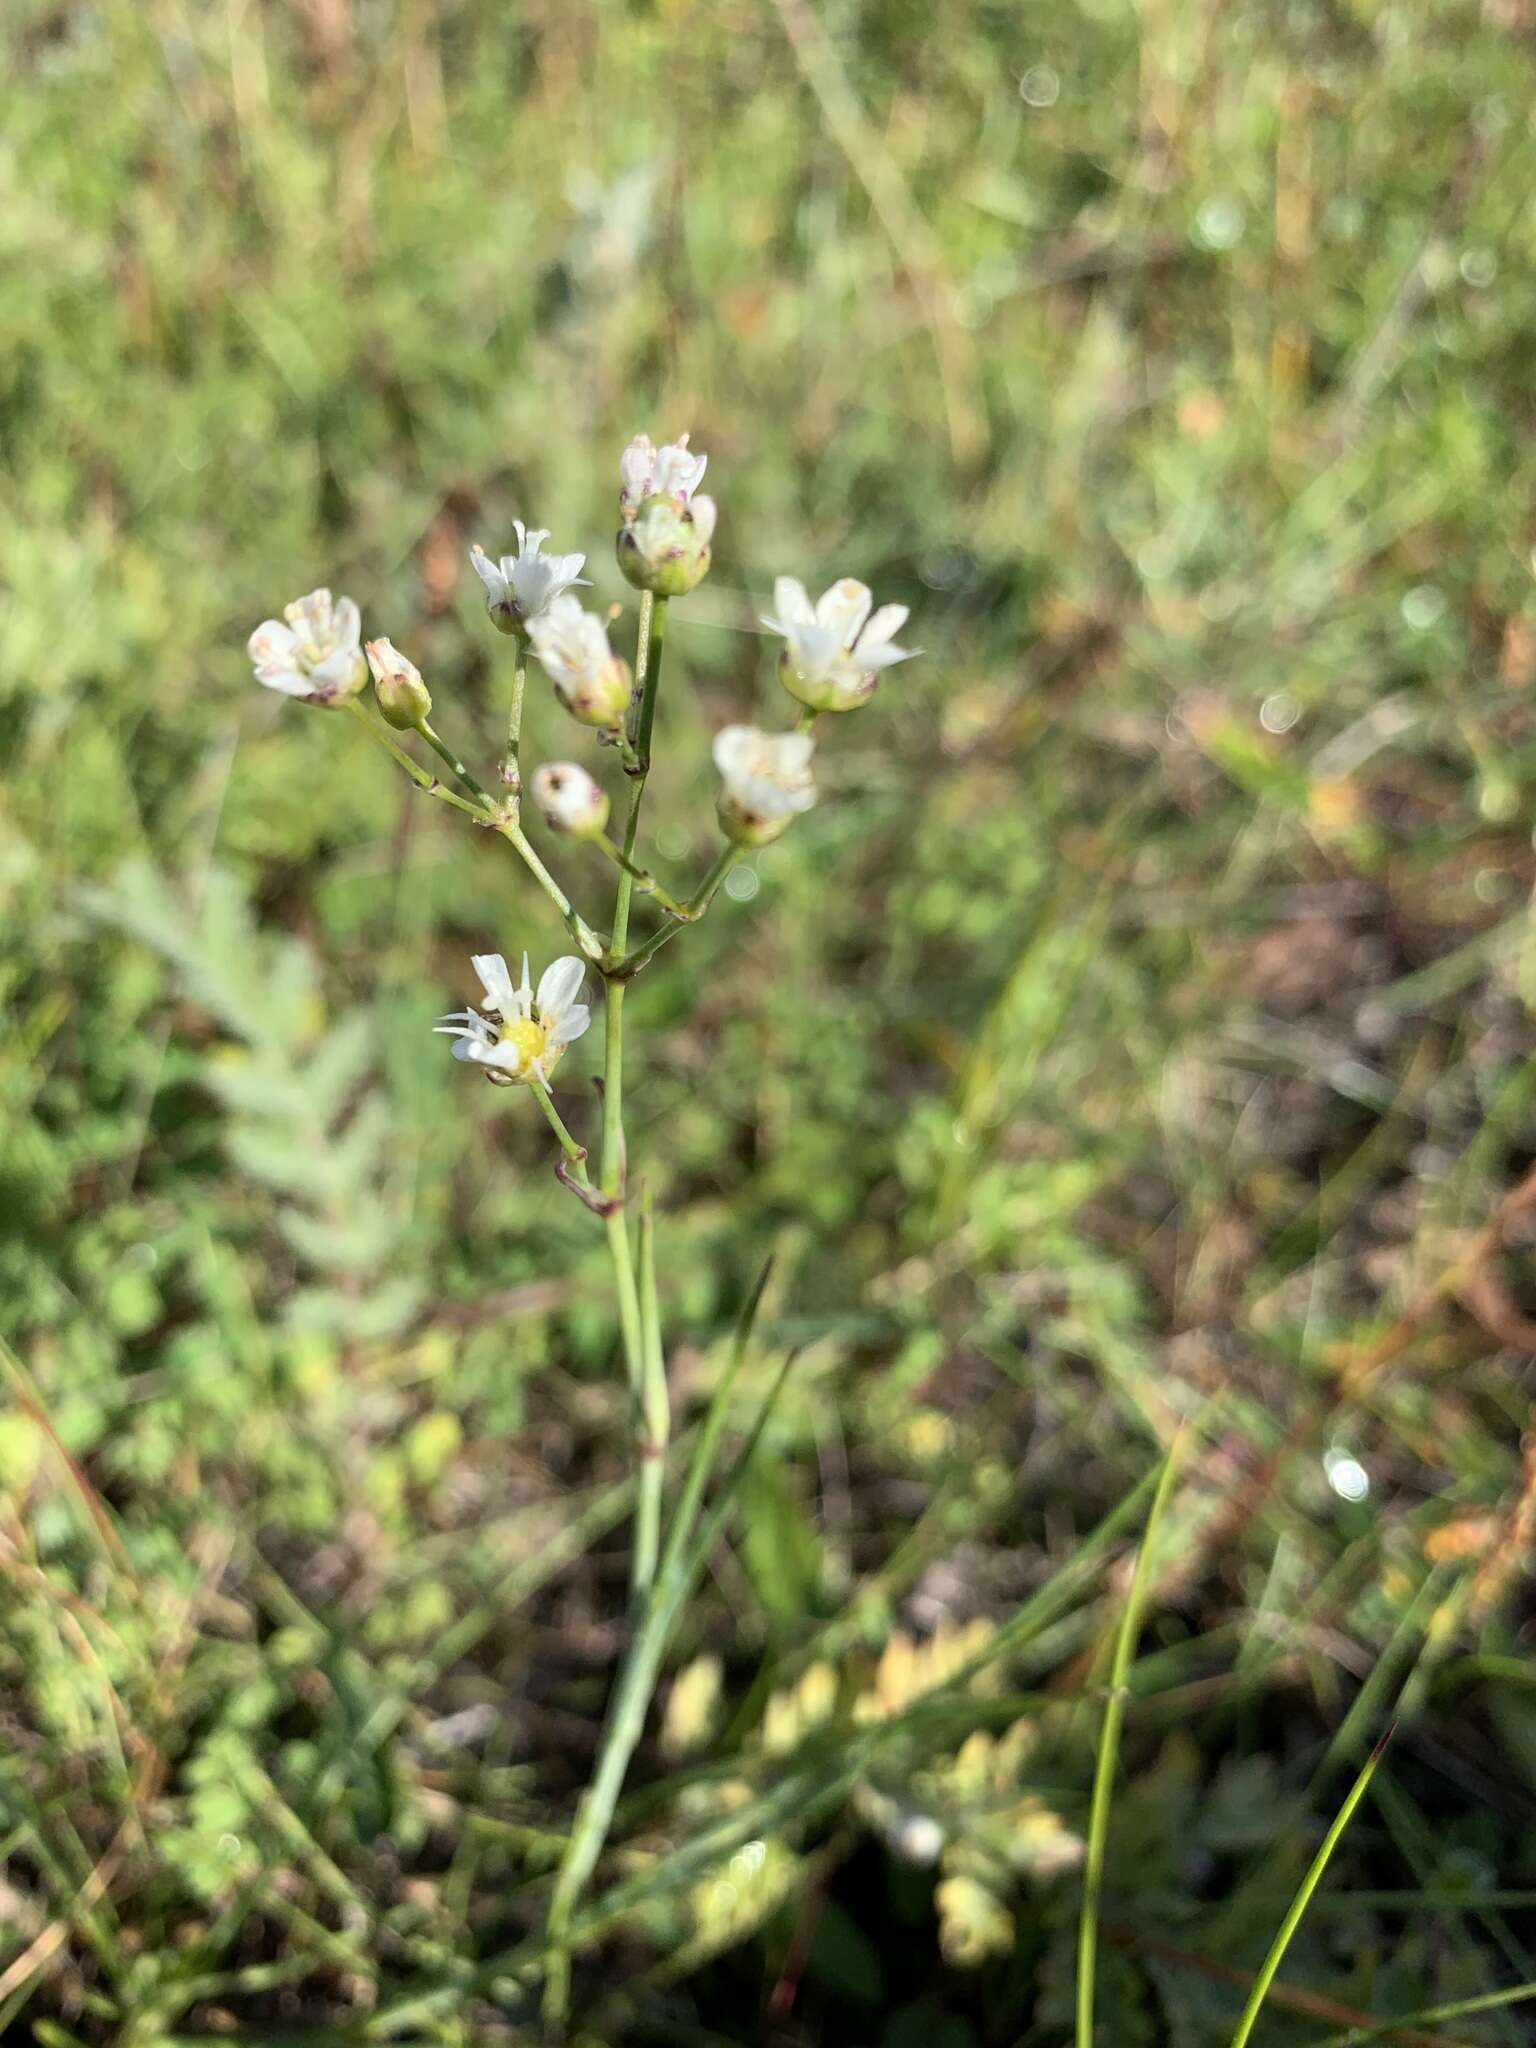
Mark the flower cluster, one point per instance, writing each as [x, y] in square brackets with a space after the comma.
[834, 652]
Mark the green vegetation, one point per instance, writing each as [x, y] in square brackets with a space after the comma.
[1138, 1032]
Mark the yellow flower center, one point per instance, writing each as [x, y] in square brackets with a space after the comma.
[529, 1039]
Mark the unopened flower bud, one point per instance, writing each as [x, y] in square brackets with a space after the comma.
[589, 678]
[569, 800]
[665, 548]
[403, 698]
[766, 781]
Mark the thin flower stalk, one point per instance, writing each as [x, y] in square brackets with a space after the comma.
[519, 1033]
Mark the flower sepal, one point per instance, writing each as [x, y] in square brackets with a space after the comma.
[403, 699]
[666, 547]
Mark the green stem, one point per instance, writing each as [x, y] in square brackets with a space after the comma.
[1298, 1905]
[575, 1153]
[504, 817]
[587, 939]
[514, 767]
[655, 1413]
[637, 1679]
[687, 913]
[647, 884]
[446, 753]
[422, 777]
[1109, 1750]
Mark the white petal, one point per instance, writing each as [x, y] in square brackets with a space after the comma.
[868, 659]
[287, 681]
[843, 609]
[734, 748]
[346, 624]
[703, 510]
[490, 575]
[497, 983]
[886, 624]
[272, 644]
[791, 602]
[559, 986]
[336, 672]
[570, 1024]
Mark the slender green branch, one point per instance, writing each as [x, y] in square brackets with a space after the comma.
[647, 884]
[653, 624]
[637, 1680]
[422, 777]
[687, 913]
[513, 770]
[588, 940]
[445, 753]
[576, 1154]
[655, 1420]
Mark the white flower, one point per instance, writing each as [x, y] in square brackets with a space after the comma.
[517, 1034]
[569, 800]
[766, 778]
[589, 678]
[832, 657]
[649, 472]
[521, 586]
[316, 654]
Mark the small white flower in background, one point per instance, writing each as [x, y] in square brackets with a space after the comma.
[766, 778]
[589, 678]
[519, 587]
[316, 655]
[834, 650]
[569, 800]
[664, 541]
[517, 1034]
[402, 697]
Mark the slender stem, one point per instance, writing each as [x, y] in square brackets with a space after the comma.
[506, 820]
[689, 913]
[588, 940]
[655, 1414]
[513, 771]
[575, 1153]
[422, 777]
[446, 753]
[653, 624]
[637, 1679]
[1109, 1749]
[1307, 1887]
[647, 884]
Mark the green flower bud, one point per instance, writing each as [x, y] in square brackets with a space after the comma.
[403, 698]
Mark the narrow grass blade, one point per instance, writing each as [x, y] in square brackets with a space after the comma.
[1307, 1887]
[1458, 2009]
[706, 1446]
[685, 1561]
[1109, 1751]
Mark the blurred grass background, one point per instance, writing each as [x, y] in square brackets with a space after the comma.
[1140, 1027]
